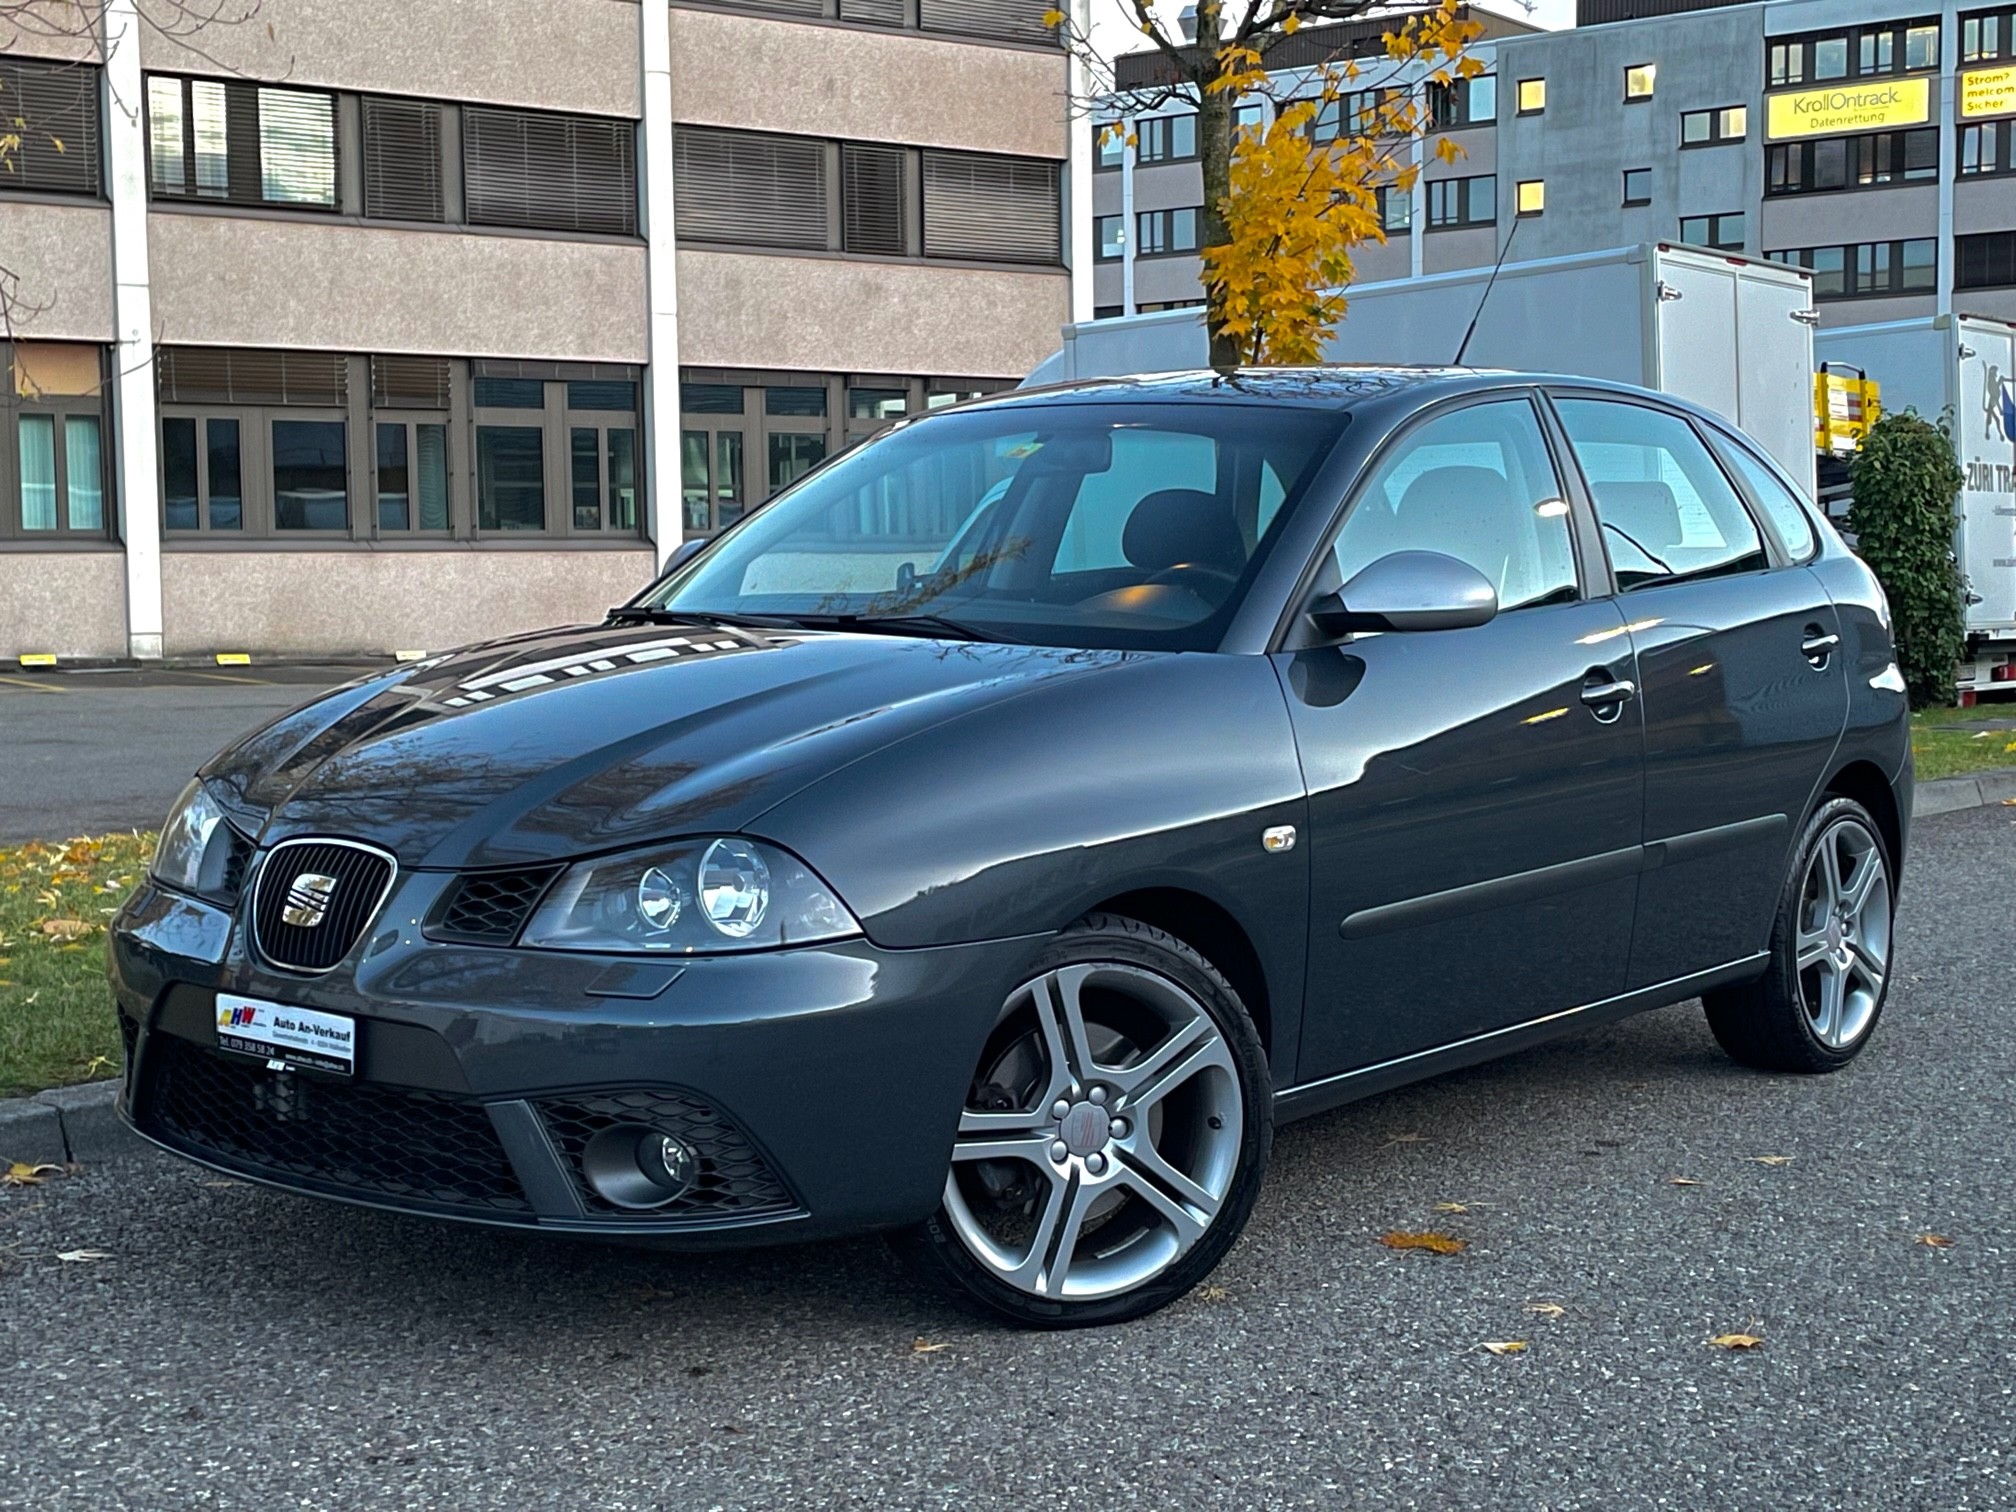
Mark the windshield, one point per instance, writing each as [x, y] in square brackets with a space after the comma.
[1104, 526]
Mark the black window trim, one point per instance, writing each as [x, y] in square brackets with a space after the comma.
[1850, 37]
[1851, 142]
[91, 151]
[1716, 136]
[291, 209]
[1782, 254]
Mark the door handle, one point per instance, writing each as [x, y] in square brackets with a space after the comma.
[1818, 646]
[1606, 695]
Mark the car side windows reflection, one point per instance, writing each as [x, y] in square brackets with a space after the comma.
[1666, 507]
[1476, 484]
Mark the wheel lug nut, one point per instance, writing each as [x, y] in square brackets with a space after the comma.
[1119, 1128]
[1097, 1094]
[1059, 1150]
[1095, 1164]
[1059, 1108]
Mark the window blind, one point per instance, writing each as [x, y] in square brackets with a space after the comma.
[402, 159]
[874, 12]
[737, 186]
[1005, 20]
[240, 375]
[55, 103]
[410, 382]
[550, 172]
[871, 199]
[997, 209]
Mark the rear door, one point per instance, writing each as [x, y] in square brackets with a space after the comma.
[1739, 673]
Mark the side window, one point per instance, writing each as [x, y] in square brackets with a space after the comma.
[1145, 463]
[1787, 515]
[1476, 484]
[1667, 509]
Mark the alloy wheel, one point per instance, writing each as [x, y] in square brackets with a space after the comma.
[1101, 1136]
[1843, 942]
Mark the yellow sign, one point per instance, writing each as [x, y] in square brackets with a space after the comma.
[1848, 107]
[1988, 92]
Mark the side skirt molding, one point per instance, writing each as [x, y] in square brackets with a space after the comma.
[1349, 1086]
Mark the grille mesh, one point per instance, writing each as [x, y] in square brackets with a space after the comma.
[489, 908]
[361, 878]
[427, 1148]
[734, 1181]
[237, 860]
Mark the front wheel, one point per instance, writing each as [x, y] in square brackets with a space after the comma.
[1817, 1003]
[1113, 1139]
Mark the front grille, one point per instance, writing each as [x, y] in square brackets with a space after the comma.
[237, 859]
[332, 917]
[489, 908]
[426, 1148]
[734, 1181]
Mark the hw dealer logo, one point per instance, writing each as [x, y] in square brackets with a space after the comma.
[233, 1018]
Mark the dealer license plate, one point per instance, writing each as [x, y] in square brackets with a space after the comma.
[284, 1036]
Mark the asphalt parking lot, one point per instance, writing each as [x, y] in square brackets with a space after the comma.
[66, 739]
[233, 1348]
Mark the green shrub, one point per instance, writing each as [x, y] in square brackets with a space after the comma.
[1906, 479]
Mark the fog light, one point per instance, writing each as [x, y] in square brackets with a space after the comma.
[634, 1166]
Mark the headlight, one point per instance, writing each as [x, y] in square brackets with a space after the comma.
[687, 897]
[186, 844]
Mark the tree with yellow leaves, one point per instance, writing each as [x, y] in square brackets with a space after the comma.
[1285, 201]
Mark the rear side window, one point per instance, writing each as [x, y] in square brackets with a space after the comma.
[1477, 484]
[1780, 505]
[1667, 509]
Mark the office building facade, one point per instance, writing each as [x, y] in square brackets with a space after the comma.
[382, 325]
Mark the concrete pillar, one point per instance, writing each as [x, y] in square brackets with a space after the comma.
[1948, 106]
[135, 466]
[1081, 247]
[661, 377]
[1130, 125]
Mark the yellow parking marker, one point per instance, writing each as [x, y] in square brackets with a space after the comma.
[233, 659]
[409, 656]
[37, 659]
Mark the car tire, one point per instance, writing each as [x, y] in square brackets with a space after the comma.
[1817, 1003]
[1166, 1163]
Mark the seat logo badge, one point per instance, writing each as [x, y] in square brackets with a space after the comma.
[308, 900]
[1278, 838]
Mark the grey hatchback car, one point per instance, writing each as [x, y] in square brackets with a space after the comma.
[990, 840]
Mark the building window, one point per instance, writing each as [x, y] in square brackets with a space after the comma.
[403, 177]
[1396, 209]
[1884, 47]
[1639, 79]
[1109, 234]
[1109, 143]
[1860, 162]
[1986, 147]
[998, 20]
[1637, 186]
[1987, 35]
[991, 208]
[1724, 232]
[1532, 196]
[51, 109]
[53, 444]
[1532, 96]
[1985, 261]
[547, 172]
[1868, 269]
[241, 144]
[1462, 102]
[1165, 232]
[1711, 128]
[1248, 117]
[1462, 202]
[1165, 139]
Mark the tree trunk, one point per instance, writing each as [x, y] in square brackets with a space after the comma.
[1214, 151]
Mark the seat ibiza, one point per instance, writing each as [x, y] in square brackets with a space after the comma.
[992, 839]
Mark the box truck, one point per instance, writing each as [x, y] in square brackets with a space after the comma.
[1961, 368]
[1731, 333]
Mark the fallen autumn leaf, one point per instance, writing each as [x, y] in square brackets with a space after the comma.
[1933, 1241]
[1505, 1346]
[1547, 1309]
[1736, 1341]
[82, 1256]
[1435, 1244]
[925, 1346]
[22, 1174]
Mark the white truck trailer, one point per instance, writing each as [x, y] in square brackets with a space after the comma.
[1962, 367]
[1731, 333]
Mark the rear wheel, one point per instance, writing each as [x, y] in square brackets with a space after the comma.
[1817, 1003]
[1113, 1140]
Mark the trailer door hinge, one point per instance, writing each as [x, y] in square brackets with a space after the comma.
[1806, 317]
[1668, 292]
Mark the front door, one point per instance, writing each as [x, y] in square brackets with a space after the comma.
[1475, 801]
[1744, 690]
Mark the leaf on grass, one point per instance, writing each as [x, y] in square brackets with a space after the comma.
[1933, 1241]
[66, 929]
[1682, 1181]
[1452, 1207]
[20, 1173]
[83, 1256]
[1737, 1340]
[1772, 1160]
[1505, 1346]
[925, 1346]
[1547, 1309]
[1435, 1244]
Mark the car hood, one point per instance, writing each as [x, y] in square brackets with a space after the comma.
[591, 738]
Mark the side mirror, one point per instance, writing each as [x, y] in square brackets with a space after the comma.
[683, 553]
[1409, 590]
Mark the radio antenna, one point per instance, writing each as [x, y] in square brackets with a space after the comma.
[1477, 313]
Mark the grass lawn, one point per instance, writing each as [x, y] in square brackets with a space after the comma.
[56, 1024]
[1944, 747]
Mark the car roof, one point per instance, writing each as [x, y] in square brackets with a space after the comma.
[1331, 386]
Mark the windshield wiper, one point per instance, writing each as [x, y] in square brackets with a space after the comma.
[645, 614]
[902, 624]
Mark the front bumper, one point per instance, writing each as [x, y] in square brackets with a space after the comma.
[821, 1086]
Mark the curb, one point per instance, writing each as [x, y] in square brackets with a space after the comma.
[1947, 795]
[68, 1124]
